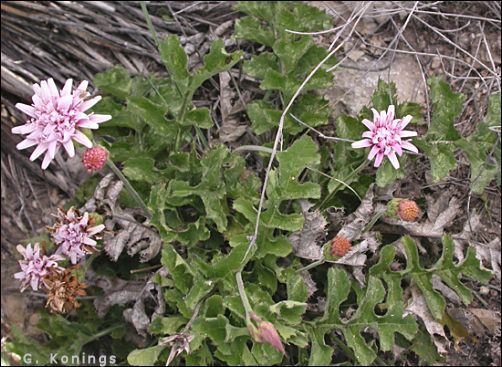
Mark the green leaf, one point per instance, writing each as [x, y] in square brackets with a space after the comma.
[337, 291]
[141, 169]
[200, 117]
[115, 82]
[445, 268]
[263, 116]
[215, 62]
[441, 157]
[291, 311]
[320, 354]
[424, 347]
[166, 325]
[174, 58]
[387, 174]
[251, 29]
[261, 65]
[153, 115]
[145, 357]
[384, 96]
[446, 106]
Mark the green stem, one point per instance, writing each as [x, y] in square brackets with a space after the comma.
[312, 265]
[181, 119]
[352, 174]
[128, 186]
[149, 22]
[103, 333]
[244, 297]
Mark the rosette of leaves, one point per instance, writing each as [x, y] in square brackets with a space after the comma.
[482, 147]
[288, 58]
[223, 196]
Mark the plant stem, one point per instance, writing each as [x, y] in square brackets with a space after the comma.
[244, 297]
[103, 333]
[128, 186]
[149, 22]
[311, 265]
[141, 270]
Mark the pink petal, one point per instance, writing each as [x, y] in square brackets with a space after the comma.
[378, 160]
[369, 124]
[39, 150]
[52, 88]
[373, 152]
[368, 134]
[362, 144]
[89, 241]
[91, 102]
[406, 120]
[83, 86]
[45, 91]
[407, 145]
[391, 113]
[26, 143]
[97, 118]
[47, 160]
[92, 231]
[52, 149]
[24, 129]
[376, 115]
[66, 91]
[82, 139]
[398, 149]
[20, 275]
[64, 103]
[88, 124]
[70, 149]
[29, 110]
[393, 159]
[37, 101]
[407, 133]
[34, 283]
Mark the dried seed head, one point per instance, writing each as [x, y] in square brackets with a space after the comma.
[95, 158]
[340, 246]
[408, 210]
[63, 288]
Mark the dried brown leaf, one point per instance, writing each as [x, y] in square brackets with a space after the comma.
[306, 242]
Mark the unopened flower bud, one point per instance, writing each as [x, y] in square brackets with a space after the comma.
[266, 333]
[408, 210]
[340, 246]
[403, 209]
[95, 158]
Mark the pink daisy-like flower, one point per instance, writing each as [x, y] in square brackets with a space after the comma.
[55, 119]
[385, 136]
[73, 233]
[35, 266]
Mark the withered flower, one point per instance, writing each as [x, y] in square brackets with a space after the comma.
[63, 288]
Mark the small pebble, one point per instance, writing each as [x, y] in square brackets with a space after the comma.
[484, 290]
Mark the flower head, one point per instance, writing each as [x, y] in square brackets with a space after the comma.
[35, 266]
[408, 210]
[95, 158]
[73, 233]
[385, 136]
[55, 119]
[63, 288]
[340, 246]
